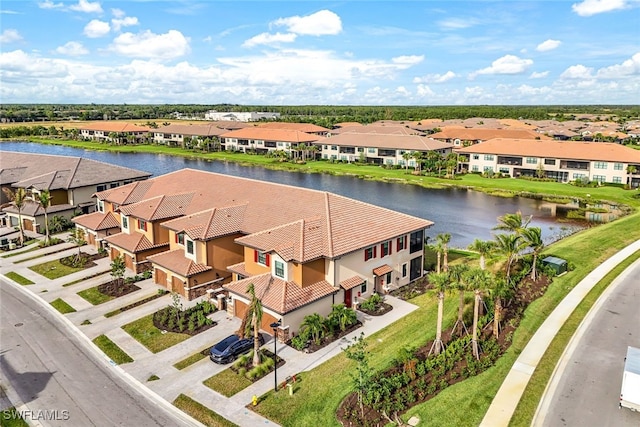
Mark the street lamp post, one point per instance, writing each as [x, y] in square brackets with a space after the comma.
[274, 326]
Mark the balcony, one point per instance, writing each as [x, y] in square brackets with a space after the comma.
[347, 150]
[386, 153]
[575, 165]
[510, 161]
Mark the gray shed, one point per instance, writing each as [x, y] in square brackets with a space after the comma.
[559, 265]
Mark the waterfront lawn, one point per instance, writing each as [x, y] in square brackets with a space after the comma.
[62, 306]
[54, 269]
[200, 412]
[227, 382]
[21, 280]
[151, 337]
[94, 296]
[112, 350]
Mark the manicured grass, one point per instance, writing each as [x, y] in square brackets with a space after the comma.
[112, 350]
[188, 361]
[12, 254]
[201, 413]
[54, 269]
[85, 278]
[135, 304]
[533, 393]
[153, 377]
[151, 337]
[94, 296]
[21, 280]
[62, 306]
[86, 322]
[11, 418]
[227, 382]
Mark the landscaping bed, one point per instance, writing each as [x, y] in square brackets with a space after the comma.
[375, 306]
[161, 293]
[317, 332]
[191, 321]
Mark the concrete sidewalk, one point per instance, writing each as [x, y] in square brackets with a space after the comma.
[504, 403]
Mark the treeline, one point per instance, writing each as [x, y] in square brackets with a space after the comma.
[323, 115]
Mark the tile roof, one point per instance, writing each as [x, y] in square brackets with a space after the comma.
[279, 295]
[383, 269]
[126, 194]
[176, 261]
[211, 223]
[378, 129]
[134, 242]
[60, 172]
[475, 134]
[114, 126]
[209, 129]
[574, 150]
[302, 127]
[239, 269]
[97, 221]
[31, 208]
[390, 141]
[267, 134]
[347, 224]
[351, 282]
[160, 207]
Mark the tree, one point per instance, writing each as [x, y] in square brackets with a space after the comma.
[313, 324]
[440, 283]
[451, 163]
[514, 222]
[444, 239]
[58, 223]
[532, 237]
[362, 376]
[18, 197]
[44, 198]
[540, 173]
[484, 248]
[437, 248]
[77, 238]
[457, 281]
[417, 155]
[510, 246]
[479, 280]
[406, 156]
[499, 291]
[118, 268]
[342, 316]
[254, 311]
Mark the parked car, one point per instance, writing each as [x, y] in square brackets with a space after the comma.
[231, 347]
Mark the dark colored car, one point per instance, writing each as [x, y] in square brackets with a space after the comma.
[231, 347]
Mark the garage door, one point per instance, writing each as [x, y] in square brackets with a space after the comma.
[267, 319]
[114, 253]
[161, 278]
[128, 261]
[177, 285]
[27, 224]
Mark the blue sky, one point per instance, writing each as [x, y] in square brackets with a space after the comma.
[307, 52]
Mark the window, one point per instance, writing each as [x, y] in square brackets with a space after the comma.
[388, 278]
[599, 178]
[415, 269]
[142, 225]
[371, 150]
[113, 185]
[280, 144]
[180, 238]
[190, 248]
[125, 222]
[261, 258]
[549, 161]
[101, 206]
[476, 157]
[404, 270]
[279, 269]
[360, 150]
[488, 168]
[416, 241]
[600, 165]
[617, 180]
[363, 287]
[617, 166]
[402, 243]
[579, 176]
[504, 170]
[385, 248]
[475, 168]
[532, 160]
[369, 253]
[101, 187]
[488, 156]
[334, 147]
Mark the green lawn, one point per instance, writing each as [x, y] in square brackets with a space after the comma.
[200, 412]
[21, 280]
[112, 350]
[54, 269]
[62, 306]
[151, 337]
[94, 296]
[190, 360]
[11, 418]
[227, 382]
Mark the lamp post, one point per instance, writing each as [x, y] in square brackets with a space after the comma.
[274, 326]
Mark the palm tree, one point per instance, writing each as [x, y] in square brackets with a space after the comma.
[479, 280]
[314, 325]
[444, 239]
[500, 291]
[514, 222]
[44, 198]
[342, 316]
[406, 156]
[417, 155]
[509, 245]
[77, 238]
[533, 239]
[457, 276]
[440, 283]
[18, 197]
[484, 248]
[437, 248]
[254, 312]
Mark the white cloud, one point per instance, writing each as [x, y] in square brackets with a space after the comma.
[87, 7]
[539, 75]
[207, 39]
[118, 13]
[146, 44]
[320, 23]
[10, 35]
[548, 45]
[72, 49]
[508, 64]
[424, 90]
[266, 38]
[406, 61]
[629, 67]
[593, 7]
[577, 72]
[96, 28]
[48, 4]
[457, 23]
[127, 21]
[435, 78]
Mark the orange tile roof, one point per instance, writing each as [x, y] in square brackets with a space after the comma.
[211, 223]
[266, 134]
[109, 126]
[485, 134]
[351, 282]
[97, 221]
[390, 141]
[209, 129]
[383, 269]
[302, 127]
[279, 295]
[134, 242]
[239, 269]
[378, 129]
[575, 150]
[176, 261]
[160, 207]
[126, 194]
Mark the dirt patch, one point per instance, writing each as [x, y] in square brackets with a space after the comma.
[379, 310]
[117, 288]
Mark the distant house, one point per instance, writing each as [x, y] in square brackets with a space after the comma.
[113, 131]
[462, 137]
[264, 140]
[309, 128]
[174, 134]
[245, 116]
[71, 182]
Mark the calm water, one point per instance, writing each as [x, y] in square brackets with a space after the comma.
[466, 215]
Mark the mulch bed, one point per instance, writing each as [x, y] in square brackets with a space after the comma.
[144, 301]
[331, 338]
[266, 354]
[380, 309]
[117, 288]
[87, 261]
[412, 290]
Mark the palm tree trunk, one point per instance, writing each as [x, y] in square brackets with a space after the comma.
[460, 322]
[438, 346]
[482, 262]
[46, 227]
[256, 342]
[474, 339]
[20, 226]
[497, 316]
[533, 270]
[438, 262]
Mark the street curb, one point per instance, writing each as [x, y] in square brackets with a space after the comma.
[552, 385]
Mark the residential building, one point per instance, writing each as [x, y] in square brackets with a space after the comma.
[71, 182]
[264, 140]
[462, 137]
[118, 132]
[244, 116]
[562, 161]
[303, 250]
[197, 135]
[309, 128]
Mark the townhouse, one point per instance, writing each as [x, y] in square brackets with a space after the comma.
[118, 132]
[196, 135]
[309, 128]
[240, 116]
[381, 149]
[304, 250]
[71, 182]
[462, 137]
[563, 161]
[265, 140]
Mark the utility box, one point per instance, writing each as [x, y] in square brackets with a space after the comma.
[559, 265]
[630, 390]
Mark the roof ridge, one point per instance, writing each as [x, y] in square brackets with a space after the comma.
[73, 172]
[302, 234]
[329, 230]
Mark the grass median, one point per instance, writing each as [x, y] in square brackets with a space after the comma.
[200, 412]
[62, 306]
[112, 350]
[18, 278]
[54, 269]
[94, 296]
[151, 337]
[227, 382]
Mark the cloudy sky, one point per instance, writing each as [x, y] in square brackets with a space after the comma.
[306, 52]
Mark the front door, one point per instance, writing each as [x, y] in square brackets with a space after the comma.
[347, 298]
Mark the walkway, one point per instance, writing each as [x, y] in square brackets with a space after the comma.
[504, 403]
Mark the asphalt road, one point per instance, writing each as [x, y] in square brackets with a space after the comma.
[588, 390]
[51, 370]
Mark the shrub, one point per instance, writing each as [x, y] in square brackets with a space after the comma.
[242, 371]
